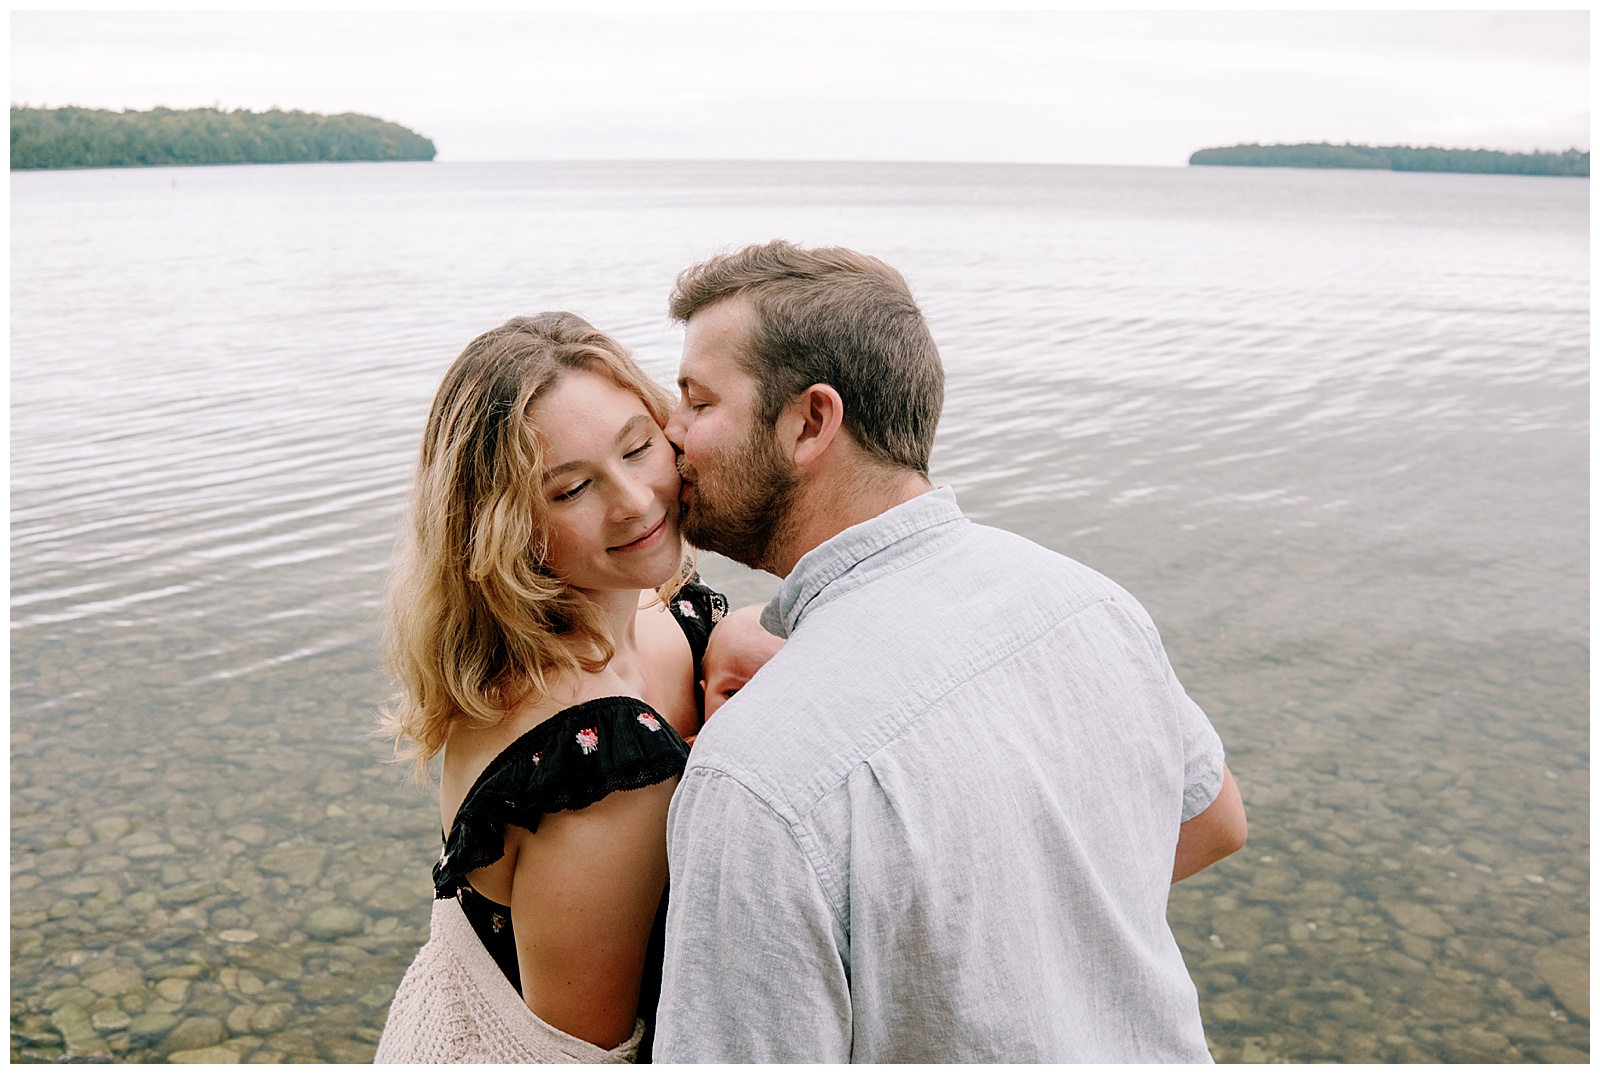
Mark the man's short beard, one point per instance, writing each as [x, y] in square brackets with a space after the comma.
[739, 509]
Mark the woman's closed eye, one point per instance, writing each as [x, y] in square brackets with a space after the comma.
[577, 488]
[571, 492]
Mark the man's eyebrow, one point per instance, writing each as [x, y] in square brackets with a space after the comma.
[627, 431]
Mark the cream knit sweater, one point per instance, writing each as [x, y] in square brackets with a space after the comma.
[455, 1006]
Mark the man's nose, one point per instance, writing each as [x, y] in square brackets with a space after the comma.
[675, 425]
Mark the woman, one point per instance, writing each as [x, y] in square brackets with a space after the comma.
[546, 644]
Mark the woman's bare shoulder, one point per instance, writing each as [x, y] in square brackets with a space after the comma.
[668, 664]
[658, 629]
[470, 748]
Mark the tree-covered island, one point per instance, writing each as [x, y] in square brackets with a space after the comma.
[99, 138]
[1399, 158]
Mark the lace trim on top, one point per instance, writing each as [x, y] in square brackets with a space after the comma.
[698, 608]
[572, 760]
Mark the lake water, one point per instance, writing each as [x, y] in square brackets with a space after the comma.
[1330, 427]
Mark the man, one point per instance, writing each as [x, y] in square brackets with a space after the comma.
[941, 823]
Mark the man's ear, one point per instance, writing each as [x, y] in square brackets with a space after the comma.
[811, 423]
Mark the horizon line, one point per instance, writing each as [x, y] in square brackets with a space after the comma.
[1184, 165]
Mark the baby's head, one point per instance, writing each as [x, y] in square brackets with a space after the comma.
[738, 647]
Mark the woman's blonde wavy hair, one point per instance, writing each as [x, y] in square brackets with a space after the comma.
[476, 623]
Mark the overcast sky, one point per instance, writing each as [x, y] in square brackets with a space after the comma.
[1049, 86]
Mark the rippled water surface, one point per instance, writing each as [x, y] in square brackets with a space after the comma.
[1331, 427]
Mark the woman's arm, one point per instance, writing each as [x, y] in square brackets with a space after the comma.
[1213, 833]
[583, 899]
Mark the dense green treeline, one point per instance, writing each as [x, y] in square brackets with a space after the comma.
[1400, 158]
[97, 138]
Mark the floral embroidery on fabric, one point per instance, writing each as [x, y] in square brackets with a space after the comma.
[555, 766]
[649, 721]
[688, 609]
[497, 921]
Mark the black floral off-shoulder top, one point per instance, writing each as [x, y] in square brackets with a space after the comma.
[570, 761]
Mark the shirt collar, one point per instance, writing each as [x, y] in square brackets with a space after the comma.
[858, 552]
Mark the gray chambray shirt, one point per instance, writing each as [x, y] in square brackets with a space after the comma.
[940, 824]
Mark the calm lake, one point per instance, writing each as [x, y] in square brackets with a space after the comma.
[1331, 428]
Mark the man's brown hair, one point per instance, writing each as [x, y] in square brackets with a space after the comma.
[833, 316]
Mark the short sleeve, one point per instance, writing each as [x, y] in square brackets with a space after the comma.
[572, 760]
[1202, 757]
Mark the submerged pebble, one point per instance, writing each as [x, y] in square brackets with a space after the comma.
[194, 1032]
[1568, 978]
[152, 1025]
[215, 1054]
[78, 1034]
[333, 922]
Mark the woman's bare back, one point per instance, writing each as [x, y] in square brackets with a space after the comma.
[585, 888]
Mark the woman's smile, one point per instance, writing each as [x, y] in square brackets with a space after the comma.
[649, 540]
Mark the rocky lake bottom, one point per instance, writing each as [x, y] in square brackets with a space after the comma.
[233, 875]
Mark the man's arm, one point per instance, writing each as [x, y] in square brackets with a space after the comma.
[754, 971]
[1213, 833]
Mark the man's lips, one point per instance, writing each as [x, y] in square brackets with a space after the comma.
[646, 541]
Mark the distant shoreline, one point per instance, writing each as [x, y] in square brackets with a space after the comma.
[1400, 158]
[71, 138]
